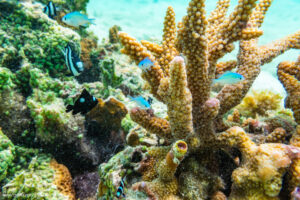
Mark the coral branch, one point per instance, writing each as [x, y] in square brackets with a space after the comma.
[285, 73]
[180, 101]
[151, 123]
[276, 48]
[192, 42]
[169, 165]
[138, 52]
[168, 43]
[154, 48]
[222, 67]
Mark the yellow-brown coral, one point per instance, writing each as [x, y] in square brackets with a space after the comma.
[63, 179]
[259, 103]
[289, 75]
[184, 85]
[259, 175]
[277, 136]
[151, 123]
[109, 112]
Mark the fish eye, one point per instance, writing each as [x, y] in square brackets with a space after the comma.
[82, 100]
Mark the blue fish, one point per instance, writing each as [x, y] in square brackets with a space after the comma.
[77, 19]
[142, 102]
[146, 64]
[229, 78]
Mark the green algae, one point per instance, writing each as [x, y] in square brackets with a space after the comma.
[6, 79]
[52, 123]
[26, 34]
[7, 155]
[34, 182]
[109, 77]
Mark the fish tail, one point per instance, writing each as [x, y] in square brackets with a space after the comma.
[130, 97]
[92, 21]
[69, 108]
[214, 81]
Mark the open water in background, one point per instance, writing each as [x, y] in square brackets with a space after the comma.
[143, 19]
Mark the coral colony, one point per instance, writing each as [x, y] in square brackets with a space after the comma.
[178, 124]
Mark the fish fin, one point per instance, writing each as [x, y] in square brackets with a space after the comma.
[92, 21]
[214, 81]
[85, 25]
[64, 53]
[69, 108]
[130, 97]
[85, 93]
[227, 72]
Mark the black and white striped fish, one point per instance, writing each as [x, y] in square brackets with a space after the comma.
[50, 10]
[73, 62]
[120, 191]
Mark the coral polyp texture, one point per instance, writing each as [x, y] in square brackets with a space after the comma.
[184, 67]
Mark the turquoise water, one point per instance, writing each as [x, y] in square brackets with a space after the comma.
[143, 19]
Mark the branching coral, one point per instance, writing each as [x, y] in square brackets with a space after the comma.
[289, 75]
[184, 84]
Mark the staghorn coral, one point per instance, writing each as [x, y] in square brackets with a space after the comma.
[184, 85]
[288, 74]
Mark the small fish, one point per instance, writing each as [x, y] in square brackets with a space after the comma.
[50, 10]
[229, 78]
[83, 104]
[141, 101]
[120, 191]
[146, 64]
[77, 19]
[73, 61]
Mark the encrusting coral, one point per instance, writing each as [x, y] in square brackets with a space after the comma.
[259, 103]
[184, 85]
[259, 176]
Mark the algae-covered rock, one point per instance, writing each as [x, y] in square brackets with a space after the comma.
[27, 34]
[7, 154]
[118, 167]
[52, 123]
[34, 182]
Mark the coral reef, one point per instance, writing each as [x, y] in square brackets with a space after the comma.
[183, 84]
[27, 173]
[192, 144]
